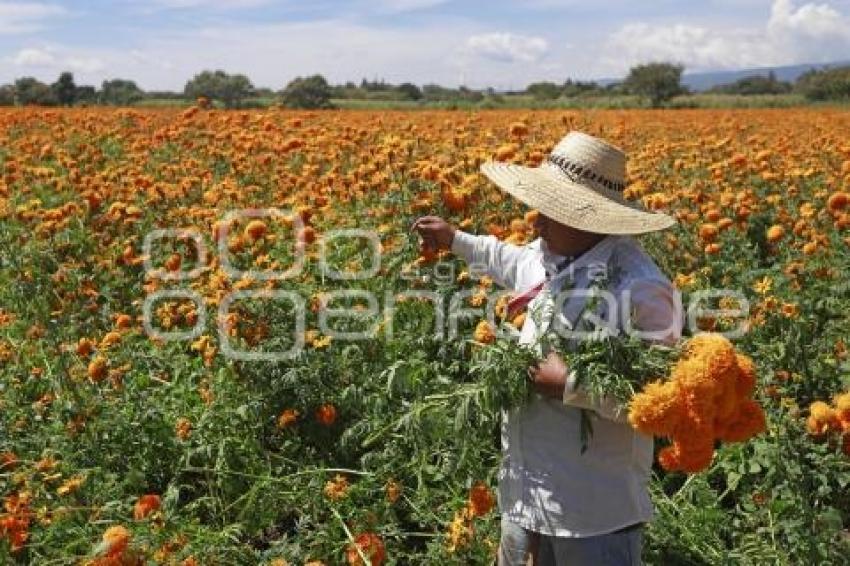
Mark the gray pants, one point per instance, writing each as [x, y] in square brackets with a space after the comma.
[613, 549]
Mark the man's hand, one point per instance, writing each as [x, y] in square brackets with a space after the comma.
[436, 233]
[550, 376]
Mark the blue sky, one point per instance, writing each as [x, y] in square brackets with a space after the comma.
[162, 43]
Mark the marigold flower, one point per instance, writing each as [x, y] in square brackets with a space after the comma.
[287, 417]
[460, 531]
[484, 333]
[97, 369]
[775, 233]
[115, 540]
[749, 422]
[326, 414]
[85, 347]
[370, 545]
[837, 201]
[481, 500]
[708, 233]
[146, 505]
[183, 428]
[657, 410]
[255, 230]
[336, 488]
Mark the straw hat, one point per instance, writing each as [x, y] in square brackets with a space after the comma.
[581, 185]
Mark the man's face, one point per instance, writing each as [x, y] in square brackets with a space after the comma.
[562, 239]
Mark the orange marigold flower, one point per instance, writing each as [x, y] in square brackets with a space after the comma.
[370, 545]
[337, 488]
[146, 505]
[484, 333]
[775, 233]
[690, 458]
[838, 201]
[183, 428]
[287, 417]
[326, 414]
[173, 262]
[123, 321]
[481, 499]
[708, 233]
[519, 129]
[85, 347]
[822, 418]
[749, 422]
[255, 230]
[712, 248]
[657, 410]
[97, 369]
[115, 541]
[8, 460]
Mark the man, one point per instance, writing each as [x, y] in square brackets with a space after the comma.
[559, 505]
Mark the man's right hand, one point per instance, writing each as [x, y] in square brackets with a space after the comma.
[436, 233]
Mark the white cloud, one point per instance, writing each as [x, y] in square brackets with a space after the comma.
[47, 61]
[85, 64]
[508, 47]
[812, 33]
[817, 21]
[273, 54]
[26, 17]
[32, 57]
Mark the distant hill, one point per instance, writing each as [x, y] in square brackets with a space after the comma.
[790, 73]
[704, 81]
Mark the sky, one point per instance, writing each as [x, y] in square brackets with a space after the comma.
[506, 45]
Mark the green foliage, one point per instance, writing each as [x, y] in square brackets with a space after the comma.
[825, 84]
[756, 84]
[120, 92]
[307, 92]
[230, 90]
[64, 89]
[544, 90]
[410, 91]
[86, 95]
[7, 95]
[29, 90]
[657, 82]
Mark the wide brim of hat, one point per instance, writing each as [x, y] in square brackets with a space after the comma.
[572, 203]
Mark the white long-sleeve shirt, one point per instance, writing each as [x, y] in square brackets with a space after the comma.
[545, 483]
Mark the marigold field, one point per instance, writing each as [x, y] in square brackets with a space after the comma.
[122, 447]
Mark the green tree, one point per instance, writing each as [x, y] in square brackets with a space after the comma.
[29, 90]
[120, 92]
[231, 90]
[86, 94]
[756, 84]
[825, 84]
[64, 89]
[307, 92]
[544, 90]
[410, 91]
[7, 95]
[658, 82]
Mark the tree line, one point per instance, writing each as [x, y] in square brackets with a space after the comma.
[655, 82]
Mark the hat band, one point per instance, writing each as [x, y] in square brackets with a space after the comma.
[577, 173]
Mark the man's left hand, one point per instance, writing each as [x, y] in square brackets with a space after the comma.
[549, 376]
